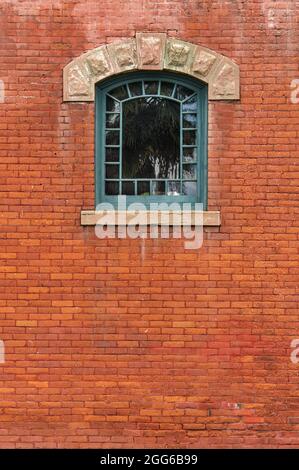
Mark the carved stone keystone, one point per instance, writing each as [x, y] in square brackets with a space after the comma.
[150, 50]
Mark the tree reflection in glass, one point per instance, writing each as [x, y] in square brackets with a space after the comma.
[151, 138]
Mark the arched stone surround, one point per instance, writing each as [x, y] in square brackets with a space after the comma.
[151, 51]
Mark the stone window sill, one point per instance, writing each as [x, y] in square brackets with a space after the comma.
[91, 217]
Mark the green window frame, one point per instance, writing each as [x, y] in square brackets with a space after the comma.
[195, 103]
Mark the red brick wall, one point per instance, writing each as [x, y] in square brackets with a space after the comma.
[140, 343]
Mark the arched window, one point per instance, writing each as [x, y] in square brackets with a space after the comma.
[151, 139]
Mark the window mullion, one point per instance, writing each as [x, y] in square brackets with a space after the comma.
[181, 148]
[120, 169]
[174, 90]
[188, 98]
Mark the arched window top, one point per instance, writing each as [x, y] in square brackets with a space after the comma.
[171, 86]
[151, 132]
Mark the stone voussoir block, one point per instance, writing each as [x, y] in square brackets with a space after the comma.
[99, 63]
[123, 55]
[179, 55]
[77, 84]
[224, 83]
[150, 50]
[204, 62]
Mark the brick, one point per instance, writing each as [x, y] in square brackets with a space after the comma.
[142, 343]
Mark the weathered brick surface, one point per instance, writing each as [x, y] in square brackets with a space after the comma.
[142, 343]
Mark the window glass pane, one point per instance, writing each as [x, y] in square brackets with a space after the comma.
[112, 120]
[156, 158]
[143, 188]
[112, 188]
[174, 188]
[151, 138]
[112, 105]
[190, 105]
[112, 154]
[112, 137]
[189, 172]
[181, 92]
[158, 188]
[136, 88]
[189, 137]
[151, 88]
[167, 88]
[112, 171]
[189, 154]
[189, 188]
[128, 188]
[189, 120]
[120, 93]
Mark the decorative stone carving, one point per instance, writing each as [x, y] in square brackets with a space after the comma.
[179, 55]
[99, 62]
[225, 82]
[203, 62]
[77, 83]
[150, 50]
[123, 55]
